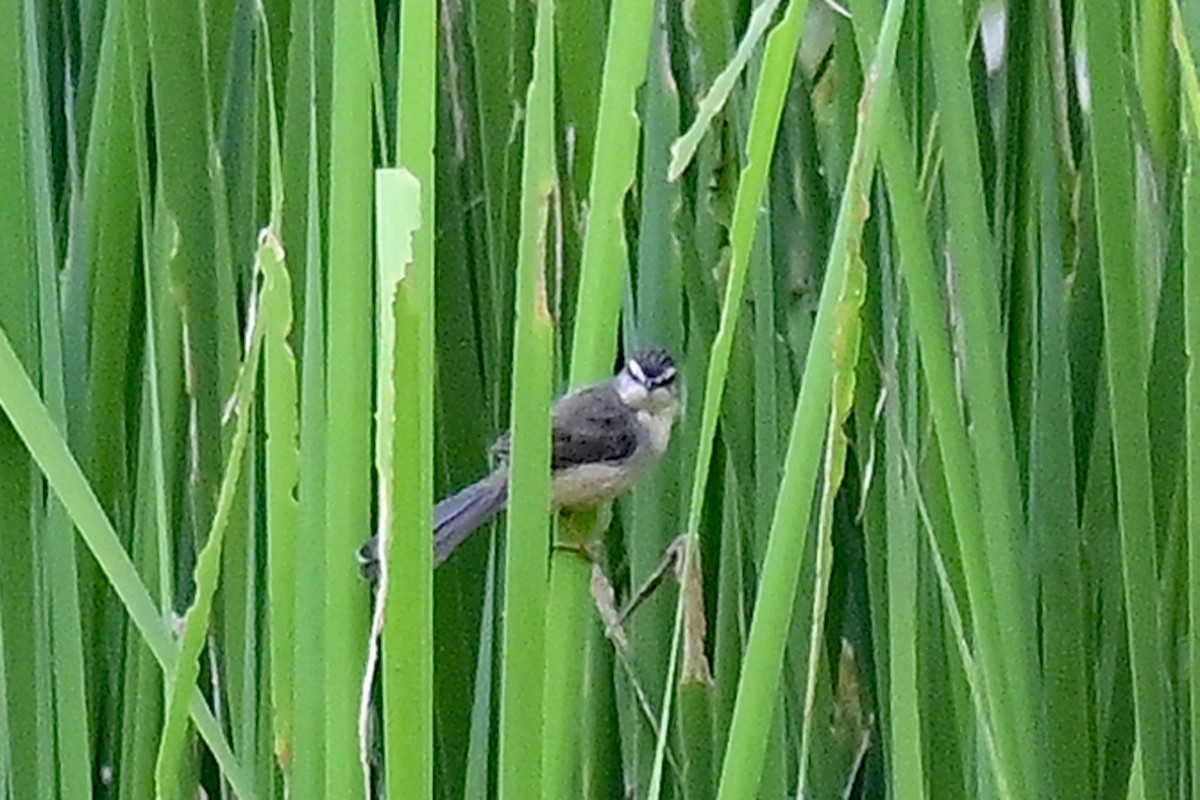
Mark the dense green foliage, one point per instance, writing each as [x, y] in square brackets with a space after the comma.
[273, 276]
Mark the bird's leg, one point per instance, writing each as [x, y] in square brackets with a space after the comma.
[591, 551]
[672, 562]
[685, 567]
[584, 533]
[604, 594]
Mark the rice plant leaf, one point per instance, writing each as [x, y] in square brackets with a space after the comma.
[182, 680]
[32, 422]
[1126, 361]
[1191, 293]
[1006, 611]
[846, 339]
[283, 513]
[761, 670]
[533, 762]
[348, 383]
[605, 264]
[683, 149]
[404, 500]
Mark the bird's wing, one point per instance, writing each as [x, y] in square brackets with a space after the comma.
[590, 426]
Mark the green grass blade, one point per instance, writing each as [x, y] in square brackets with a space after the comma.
[1159, 99]
[22, 754]
[1184, 37]
[32, 421]
[528, 752]
[762, 666]
[768, 107]
[182, 680]
[1191, 215]
[310, 697]
[1053, 500]
[65, 629]
[282, 449]
[846, 340]
[603, 275]
[348, 393]
[282, 476]
[404, 457]
[904, 678]
[1007, 656]
[771, 91]
[189, 193]
[408, 642]
[605, 262]
[683, 150]
[654, 515]
[1126, 351]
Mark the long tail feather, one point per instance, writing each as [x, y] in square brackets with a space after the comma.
[454, 520]
[457, 517]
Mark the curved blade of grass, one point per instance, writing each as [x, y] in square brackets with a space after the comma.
[683, 150]
[778, 59]
[846, 340]
[32, 421]
[182, 680]
[774, 79]
[763, 663]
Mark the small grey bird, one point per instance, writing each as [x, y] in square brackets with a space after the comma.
[605, 438]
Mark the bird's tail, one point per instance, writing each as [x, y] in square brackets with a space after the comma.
[457, 517]
[454, 519]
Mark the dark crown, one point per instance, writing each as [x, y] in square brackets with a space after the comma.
[652, 367]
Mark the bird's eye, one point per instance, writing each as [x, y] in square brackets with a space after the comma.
[653, 368]
[665, 378]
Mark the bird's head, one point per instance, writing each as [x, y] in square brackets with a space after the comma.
[649, 382]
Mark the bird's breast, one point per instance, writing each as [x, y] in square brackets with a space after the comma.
[658, 427]
[588, 485]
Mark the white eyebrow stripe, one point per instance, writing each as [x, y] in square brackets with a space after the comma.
[635, 369]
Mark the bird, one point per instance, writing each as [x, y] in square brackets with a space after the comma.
[605, 438]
